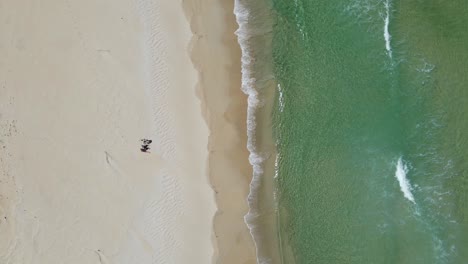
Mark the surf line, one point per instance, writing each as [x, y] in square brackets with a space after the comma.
[387, 35]
[405, 185]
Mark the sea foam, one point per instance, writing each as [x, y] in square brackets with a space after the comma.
[387, 35]
[405, 186]
[254, 23]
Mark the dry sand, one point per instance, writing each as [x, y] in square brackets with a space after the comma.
[81, 82]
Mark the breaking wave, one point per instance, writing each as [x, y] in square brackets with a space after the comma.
[253, 29]
[405, 186]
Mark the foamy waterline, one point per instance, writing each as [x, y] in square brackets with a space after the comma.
[387, 35]
[245, 33]
[405, 186]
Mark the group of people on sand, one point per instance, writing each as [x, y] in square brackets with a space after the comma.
[145, 145]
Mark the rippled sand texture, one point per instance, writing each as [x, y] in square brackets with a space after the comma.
[81, 82]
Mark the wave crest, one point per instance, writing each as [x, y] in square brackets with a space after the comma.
[405, 186]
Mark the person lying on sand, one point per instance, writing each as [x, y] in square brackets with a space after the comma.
[145, 146]
[147, 141]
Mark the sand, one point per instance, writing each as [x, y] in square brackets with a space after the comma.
[81, 82]
[216, 54]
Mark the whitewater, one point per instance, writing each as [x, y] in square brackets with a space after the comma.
[405, 186]
[387, 35]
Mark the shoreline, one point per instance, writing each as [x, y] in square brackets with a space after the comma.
[255, 39]
[217, 57]
[99, 82]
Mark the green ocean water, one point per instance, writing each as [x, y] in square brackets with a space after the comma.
[354, 110]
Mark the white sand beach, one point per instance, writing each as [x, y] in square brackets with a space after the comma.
[81, 83]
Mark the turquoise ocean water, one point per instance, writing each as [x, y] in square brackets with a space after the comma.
[372, 129]
[371, 125]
